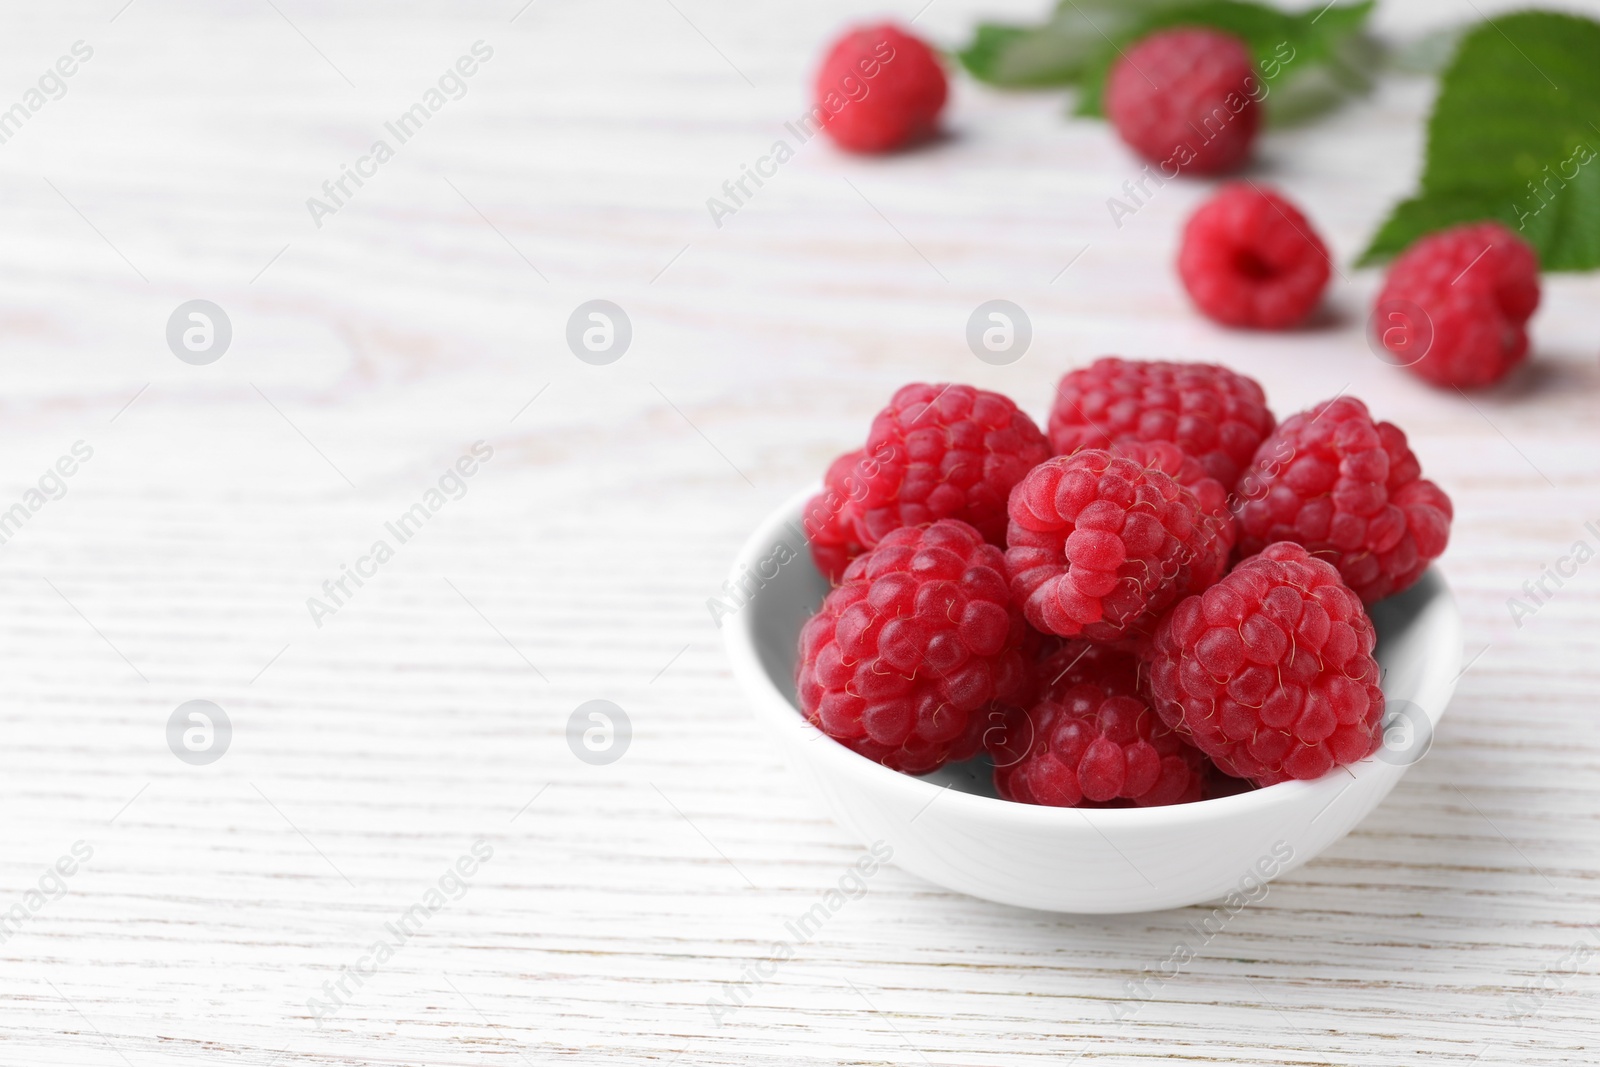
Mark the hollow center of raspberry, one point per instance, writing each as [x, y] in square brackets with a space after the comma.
[1252, 266]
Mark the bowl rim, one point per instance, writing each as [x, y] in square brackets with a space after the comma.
[777, 708]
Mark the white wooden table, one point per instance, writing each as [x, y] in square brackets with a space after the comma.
[427, 715]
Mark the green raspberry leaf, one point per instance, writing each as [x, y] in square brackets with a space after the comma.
[1513, 137]
[1055, 52]
[1329, 55]
[1288, 47]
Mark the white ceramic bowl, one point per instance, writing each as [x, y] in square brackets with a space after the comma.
[951, 829]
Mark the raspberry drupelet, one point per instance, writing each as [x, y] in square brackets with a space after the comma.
[879, 89]
[1475, 287]
[914, 648]
[1185, 100]
[1214, 414]
[1270, 672]
[1350, 490]
[936, 452]
[1098, 544]
[1250, 258]
[1091, 739]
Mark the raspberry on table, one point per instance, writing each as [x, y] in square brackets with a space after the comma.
[1475, 286]
[1216, 511]
[1182, 98]
[1270, 671]
[1091, 739]
[879, 88]
[1214, 414]
[1350, 490]
[1098, 544]
[936, 452]
[914, 648]
[1249, 258]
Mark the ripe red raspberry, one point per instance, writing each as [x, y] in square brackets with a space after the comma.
[936, 452]
[1250, 258]
[1212, 413]
[910, 652]
[1216, 511]
[1475, 286]
[1092, 739]
[1098, 544]
[829, 514]
[1350, 490]
[1184, 99]
[1270, 671]
[879, 89]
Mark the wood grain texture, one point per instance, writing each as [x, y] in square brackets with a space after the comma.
[430, 712]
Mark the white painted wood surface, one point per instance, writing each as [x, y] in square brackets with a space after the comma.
[429, 712]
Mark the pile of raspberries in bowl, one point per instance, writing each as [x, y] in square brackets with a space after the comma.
[1161, 597]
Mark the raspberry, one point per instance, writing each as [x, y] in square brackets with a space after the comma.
[1476, 286]
[1098, 544]
[1092, 739]
[1215, 415]
[1270, 671]
[936, 452]
[1250, 258]
[912, 650]
[879, 89]
[1184, 99]
[1216, 514]
[829, 514]
[1351, 492]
